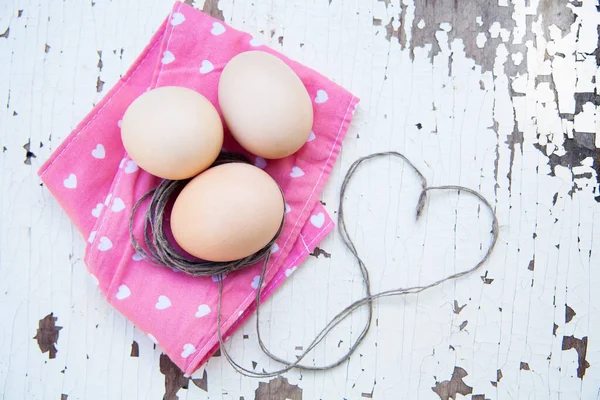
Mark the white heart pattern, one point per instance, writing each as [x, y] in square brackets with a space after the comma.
[130, 167]
[203, 310]
[206, 67]
[296, 172]
[256, 42]
[274, 248]
[287, 208]
[318, 220]
[311, 137]
[92, 237]
[107, 200]
[188, 349]
[123, 292]
[168, 57]
[255, 281]
[99, 151]
[322, 96]
[117, 205]
[217, 29]
[137, 257]
[260, 162]
[177, 18]
[105, 244]
[151, 337]
[215, 278]
[119, 123]
[96, 211]
[290, 271]
[70, 182]
[163, 302]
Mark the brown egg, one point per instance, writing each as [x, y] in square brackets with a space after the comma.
[265, 105]
[227, 212]
[172, 132]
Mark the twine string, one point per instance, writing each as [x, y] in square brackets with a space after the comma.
[367, 300]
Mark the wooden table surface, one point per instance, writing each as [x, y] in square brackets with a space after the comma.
[501, 96]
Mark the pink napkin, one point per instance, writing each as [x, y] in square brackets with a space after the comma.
[97, 184]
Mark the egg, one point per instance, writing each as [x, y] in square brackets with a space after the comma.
[265, 105]
[172, 132]
[227, 212]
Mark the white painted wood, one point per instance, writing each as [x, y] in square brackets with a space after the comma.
[468, 115]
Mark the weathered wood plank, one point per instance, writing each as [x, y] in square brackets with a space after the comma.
[500, 96]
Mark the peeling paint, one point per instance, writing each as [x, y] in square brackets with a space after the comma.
[555, 12]
[573, 157]
[135, 349]
[496, 24]
[277, 389]
[28, 154]
[99, 85]
[401, 30]
[449, 389]
[47, 335]
[458, 309]
[320, 252]
[580, 346]
[211, 7]
[569, 313]
[462, 23]
[390, 32]
[498, 378]
[513, 140]
[202, 383]
[174, 378]
[486, 280]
